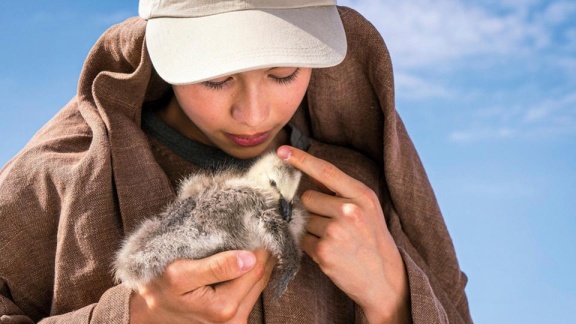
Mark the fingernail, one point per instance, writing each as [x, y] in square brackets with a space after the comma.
[246, 260]
[284, 153]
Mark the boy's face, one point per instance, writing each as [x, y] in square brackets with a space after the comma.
[240, 113]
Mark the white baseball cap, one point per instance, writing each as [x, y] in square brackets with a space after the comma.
[196, 40]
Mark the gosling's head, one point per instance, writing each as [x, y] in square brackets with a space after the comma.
[271, 172]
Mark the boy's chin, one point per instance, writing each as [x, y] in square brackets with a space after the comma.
[248, 152]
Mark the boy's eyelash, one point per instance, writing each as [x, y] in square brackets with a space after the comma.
[215, 85]
[284, 80]
[287, 79]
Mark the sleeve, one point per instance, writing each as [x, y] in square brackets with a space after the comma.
[425, 306]
[8, 307]
[113, 307]
[432, 298]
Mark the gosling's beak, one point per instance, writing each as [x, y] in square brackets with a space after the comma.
[285, 209]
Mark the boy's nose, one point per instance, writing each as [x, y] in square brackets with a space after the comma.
[251, 107]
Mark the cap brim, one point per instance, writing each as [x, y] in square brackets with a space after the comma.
[189, 50]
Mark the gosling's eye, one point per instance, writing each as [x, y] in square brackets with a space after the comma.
[273, 183]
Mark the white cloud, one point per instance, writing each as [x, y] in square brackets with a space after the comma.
[498, 188]
[495, 134]
[511, 4]
[421, 33]
[418, 87]
[559, 12]
[443, 48]
[548, 118]
[560, 109]
[449, 35]
[480, 134]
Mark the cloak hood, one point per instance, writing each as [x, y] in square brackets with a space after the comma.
[88, 177]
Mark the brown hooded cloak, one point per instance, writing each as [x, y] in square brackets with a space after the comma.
[91, 174]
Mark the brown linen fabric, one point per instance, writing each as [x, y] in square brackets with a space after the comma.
[90, 175]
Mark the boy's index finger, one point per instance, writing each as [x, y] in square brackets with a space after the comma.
[322, 171]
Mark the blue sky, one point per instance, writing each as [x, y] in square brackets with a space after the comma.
[486, 88]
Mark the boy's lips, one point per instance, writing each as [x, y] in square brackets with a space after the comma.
[249, 140]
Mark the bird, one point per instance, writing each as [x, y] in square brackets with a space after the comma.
[220, 210]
